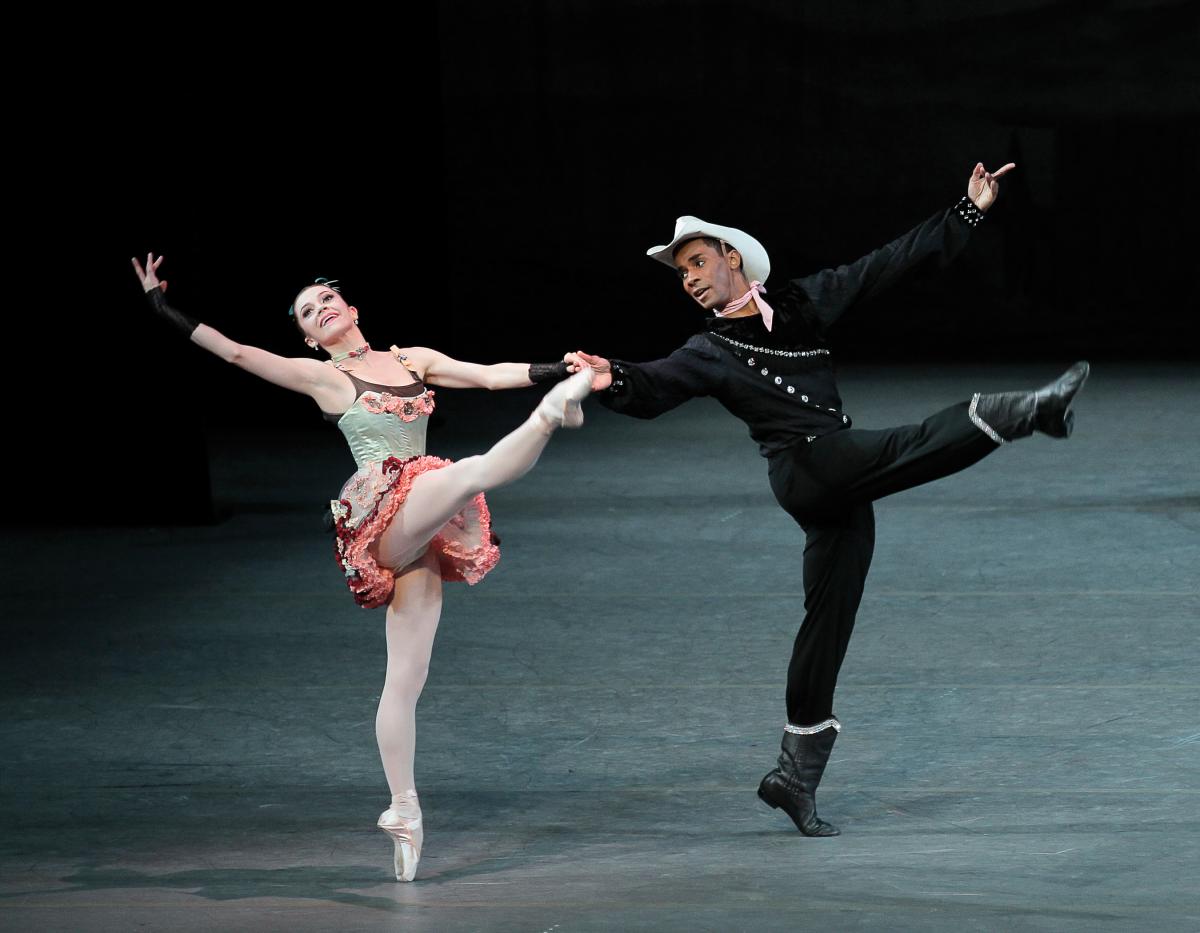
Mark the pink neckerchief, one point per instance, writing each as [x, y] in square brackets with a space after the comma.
[756, 289]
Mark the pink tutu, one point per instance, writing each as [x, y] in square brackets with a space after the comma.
[370, 499]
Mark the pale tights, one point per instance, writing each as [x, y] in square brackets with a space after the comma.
[416, 605]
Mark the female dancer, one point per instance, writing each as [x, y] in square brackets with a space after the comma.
[405, 521]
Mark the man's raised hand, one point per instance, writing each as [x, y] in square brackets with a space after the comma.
[982, 187]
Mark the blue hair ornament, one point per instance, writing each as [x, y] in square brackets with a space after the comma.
[320, 280]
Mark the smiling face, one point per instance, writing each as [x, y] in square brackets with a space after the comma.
[710, 272]
[322, 314]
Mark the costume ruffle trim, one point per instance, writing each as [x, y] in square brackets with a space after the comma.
[464, 547]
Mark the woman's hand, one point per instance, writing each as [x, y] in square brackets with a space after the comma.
[149, 275]
[982, 187]
[601, 368]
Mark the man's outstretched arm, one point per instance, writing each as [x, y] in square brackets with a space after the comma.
[940, 238]
[647, 390]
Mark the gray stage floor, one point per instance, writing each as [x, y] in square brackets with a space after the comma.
[188, 712]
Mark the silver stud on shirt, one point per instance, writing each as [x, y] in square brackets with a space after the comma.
[778, 380]
[791, 390]
[768, 351]
[763, 370]
[804, 398]
[750, 362]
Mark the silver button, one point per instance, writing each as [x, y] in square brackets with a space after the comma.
[791, 390]
[778, 380]
[763, 370]
[750, 362]
[804, 398]
[845, 420]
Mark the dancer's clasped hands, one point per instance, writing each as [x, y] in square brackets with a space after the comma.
[601, 368]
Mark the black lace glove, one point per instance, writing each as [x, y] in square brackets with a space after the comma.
[547, 372]
[177, 318]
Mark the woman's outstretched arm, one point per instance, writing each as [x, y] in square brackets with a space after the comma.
[442, 370]
[299, 374]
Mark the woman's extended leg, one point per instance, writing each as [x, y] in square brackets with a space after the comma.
[437, 496]
[412, 621]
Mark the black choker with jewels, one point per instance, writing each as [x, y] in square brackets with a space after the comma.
[351, 354]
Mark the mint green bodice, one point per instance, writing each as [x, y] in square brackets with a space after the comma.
[379, 425]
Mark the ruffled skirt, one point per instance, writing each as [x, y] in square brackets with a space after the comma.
[465, 547]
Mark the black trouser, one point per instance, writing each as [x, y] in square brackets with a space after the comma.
[828, 486]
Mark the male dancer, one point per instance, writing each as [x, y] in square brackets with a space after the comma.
[769, 365]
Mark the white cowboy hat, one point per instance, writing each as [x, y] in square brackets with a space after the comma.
[755, 262]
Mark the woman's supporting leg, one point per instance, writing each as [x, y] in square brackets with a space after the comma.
[412, 621]
[437, 496]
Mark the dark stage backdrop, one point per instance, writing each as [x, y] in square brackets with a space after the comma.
[486, 180]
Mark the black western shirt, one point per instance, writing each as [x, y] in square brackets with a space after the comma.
[781, 382]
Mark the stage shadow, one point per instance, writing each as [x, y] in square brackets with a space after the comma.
[302, 882]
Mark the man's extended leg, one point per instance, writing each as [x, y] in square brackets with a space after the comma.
[861, 466]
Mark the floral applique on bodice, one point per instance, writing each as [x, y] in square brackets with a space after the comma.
[380, 425]
[386, 420]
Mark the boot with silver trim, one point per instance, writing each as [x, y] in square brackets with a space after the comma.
[1007, 416]
[792, 786]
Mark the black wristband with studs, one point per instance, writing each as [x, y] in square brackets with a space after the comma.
[967, 210]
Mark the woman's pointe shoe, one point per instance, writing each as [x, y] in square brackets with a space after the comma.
[560, 407]
[402, 821]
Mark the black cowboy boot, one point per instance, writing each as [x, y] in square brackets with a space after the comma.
[792, 786]
[1007, 416]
